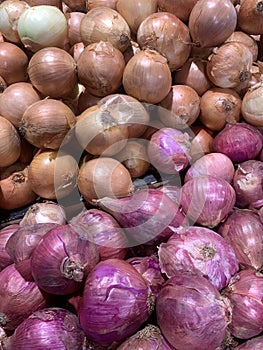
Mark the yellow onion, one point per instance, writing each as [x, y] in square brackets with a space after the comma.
[251, 108]
[10, 143]
[202, 142]
[74, 18]
[250, 16]
[246, 39]
[180, 8]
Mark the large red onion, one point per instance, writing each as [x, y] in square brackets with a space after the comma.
[245, 292]
[116, 302]
[191, 313]
[207, 200]
[5, 233]
[62, 260]
[243, 230]
[252, 344]
[199, 249]
[248, 183]
[102, 229]
[18, 298]
[50, 328]
[240, 142]
[147, 216]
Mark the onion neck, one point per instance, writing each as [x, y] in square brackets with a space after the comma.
[72, 269]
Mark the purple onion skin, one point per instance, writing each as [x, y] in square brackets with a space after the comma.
[172, 191]
[149, 338]
[243, 230]
[116, 302]
[147, 216]
[207, 200]
[240, 142]
[252, 344]
[248, 183]
[245, 292]
[169, 150]
[18, 298]
[21, 244]
[199, 249]
[191, 313]
[50, 328]
[5, 234]
[62, 260]
[102, 229]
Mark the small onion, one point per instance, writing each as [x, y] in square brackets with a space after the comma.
[118, 299]
[246, 39]
[180, 8]
[255, 343]
[207, 200]
[220, 106]
[46, 212]
[5, 233]
[10, 143]
[144, 70]
[211, 22]
[240, 142]
[191, 312]
[250, 17]
[250, 109]
[98, 3]
[74, 18]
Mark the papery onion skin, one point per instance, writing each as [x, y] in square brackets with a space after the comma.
[245, 294]
[199, 249]
[179, 8]
[50, 328]
[255, 343]
[240, 142]
[62, 260]
[10, 143]
[250, 108]
[191, 313]
[118, 299]
[5, 233]
[96, 3]
[202, 142]
[250, 17]
[248, 40]
[211, 22]
[207, 200]
[18, 298]
[74, 19]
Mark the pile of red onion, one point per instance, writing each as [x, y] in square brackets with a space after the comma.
[131, 174]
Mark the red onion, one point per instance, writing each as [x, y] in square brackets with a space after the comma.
[191, 313]
[215, 164]
[50, 328]
[172, 191]
[199, 249]
[149, 268]
[62, 260]
[21, 245]
[18, 298]
[252, 344]
[243, 230]
[245, 292]
[5, 233]
[169, 150]
[248, 183]
[150, 337]
[116, 302]
[147, 216]
[102, 229]
[207, 200]
[240, 142]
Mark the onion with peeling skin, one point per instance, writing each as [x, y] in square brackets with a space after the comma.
[251, 106]
[248, 40]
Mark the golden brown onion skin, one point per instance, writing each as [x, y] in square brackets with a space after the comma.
[250, 16]
[179, 8]
[10, 143]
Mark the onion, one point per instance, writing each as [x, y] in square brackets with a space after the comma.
[202, 142]
[46, 123]
[74, 18]
[134, 12]
[13, 63]
[144, 70]
[211, 22]
[251, 103]
[215, 164]
[21, 244]
[10, 11]
[220, 106]
[53, 328]
[10, 143]
[245, 294]
[229, 65]
[167, 34]
[104, 177]
[102, 229]
[207, 200]
[247, 182]
[148, 216]
[118, 299]
[42, 26]
[100, 68]
[240, 142]
[246, 39]
[253, 344]
[250, 17]
[172, 191]
[193, 73]
[52, 71]
[87, 100]
[150, 337]
[244, 232]
[62, 260]
[180, 8]
[56, 3]
[98, 3]
[183, 105]
[5, 233]
[27, 152]
[105, 24]
[191, 312]
[76, 5]
[76, 50]
[18, 298]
